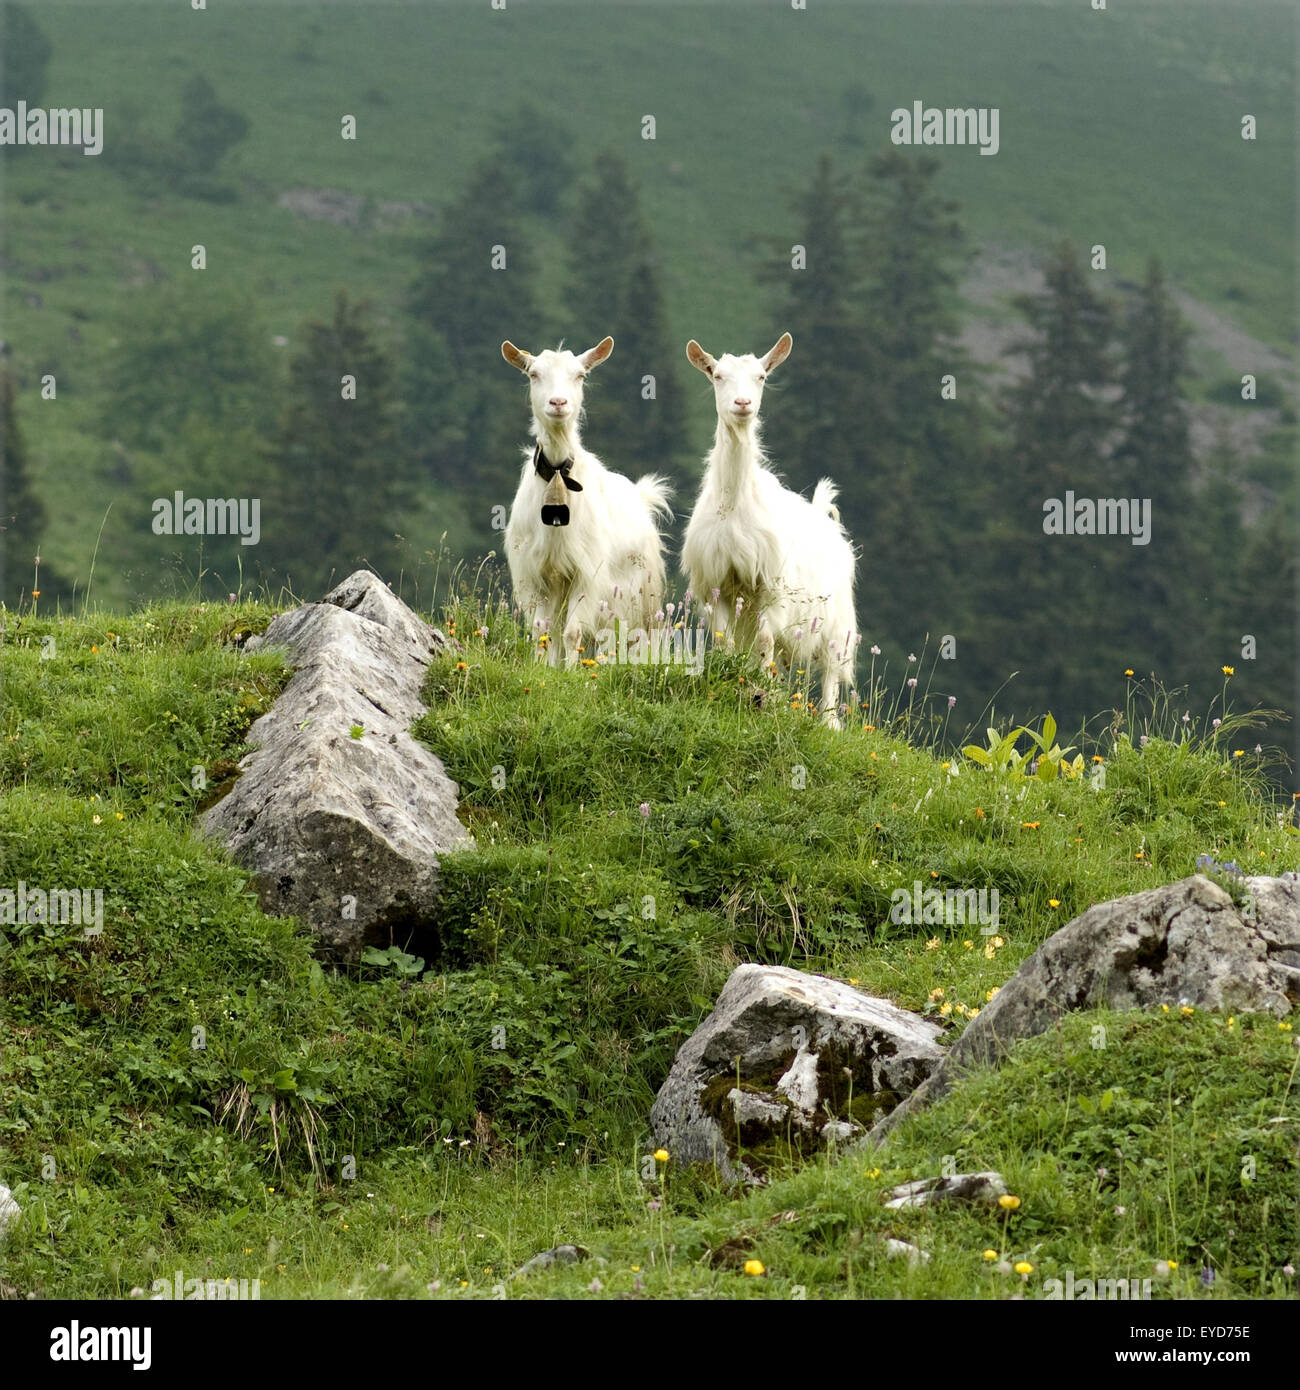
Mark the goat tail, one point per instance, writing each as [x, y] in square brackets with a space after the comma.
[824, 496]
[655, 491]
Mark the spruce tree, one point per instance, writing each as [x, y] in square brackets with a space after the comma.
[1154, 460]
[861, 397]
[534, 148]
[24, 57]
[1058, 617]
[1265, 607]
[616, 287]
[339, 484]
[921, 477]
[187, 351]
[913, 247]
[815, 425]
[207, 130]
[467, 410]
[1059, 418]
[22, 516]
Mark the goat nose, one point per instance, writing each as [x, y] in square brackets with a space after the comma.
[743, 402]
[559, 401]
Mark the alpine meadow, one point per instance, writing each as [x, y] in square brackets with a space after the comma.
[489, 816]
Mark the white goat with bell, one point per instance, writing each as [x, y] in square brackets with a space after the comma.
[777, 568]
[582, 541]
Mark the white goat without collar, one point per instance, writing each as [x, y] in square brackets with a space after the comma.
[781, 565]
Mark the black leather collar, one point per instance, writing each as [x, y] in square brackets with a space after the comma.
[546, 470]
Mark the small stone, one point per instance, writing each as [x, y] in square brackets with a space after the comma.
[10, 1211]
[560, 1255]
[900, 1249]
[982, 1189]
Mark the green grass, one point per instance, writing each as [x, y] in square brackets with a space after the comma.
[493, 1098]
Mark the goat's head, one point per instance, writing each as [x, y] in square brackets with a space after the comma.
[738, 381]
[556, 378]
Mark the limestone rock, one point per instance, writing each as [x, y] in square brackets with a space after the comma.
[787, 1057]
[560, 1255]
[345, 832]
[10, 1211]
[902, 1249]
[980, 1189]
[1184, 943]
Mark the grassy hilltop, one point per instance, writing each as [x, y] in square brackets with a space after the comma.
[757, 834]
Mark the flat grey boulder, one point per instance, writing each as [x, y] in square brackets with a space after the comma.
[787, 1061]
[340, 815]
[1185, 943]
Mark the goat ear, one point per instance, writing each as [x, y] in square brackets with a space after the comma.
[698, 358]
[516, 356]
[593, 357]
[779, 353]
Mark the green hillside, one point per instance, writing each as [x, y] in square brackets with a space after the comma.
[137, 1146]
[1120, 127]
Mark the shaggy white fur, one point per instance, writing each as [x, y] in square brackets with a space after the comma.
[610, 552]
[777, 568]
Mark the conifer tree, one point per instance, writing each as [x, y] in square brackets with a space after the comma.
[873, 335]
[1265, 607]
[914, 247]
[339, 484]
[1161, 581]
[24, 57]
[534, 148]
[207, 129]
[814, 426]
[922, 481]
[22, 515]
[1054, 596]
[188, 351]
[616, 287]
[467, 410]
